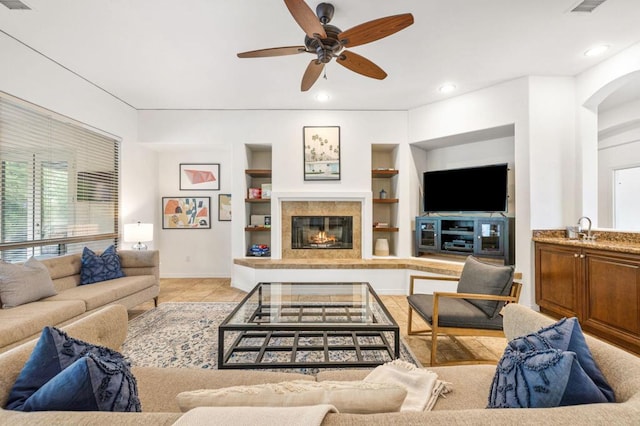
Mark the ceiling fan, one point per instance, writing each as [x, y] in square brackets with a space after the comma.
[328, 41]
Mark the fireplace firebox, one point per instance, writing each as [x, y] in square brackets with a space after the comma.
[321, 232]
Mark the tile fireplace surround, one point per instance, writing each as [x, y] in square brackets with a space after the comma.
[321, 208]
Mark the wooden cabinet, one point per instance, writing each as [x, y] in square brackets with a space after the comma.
[558, 277]
[465, 235]
[600, 287]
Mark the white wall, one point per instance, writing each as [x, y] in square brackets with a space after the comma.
[541, 110]
[497, 106]
[618, 148]
[34, 78]
[552, 153]
[593, 86]
[194, 253]
[219, 130]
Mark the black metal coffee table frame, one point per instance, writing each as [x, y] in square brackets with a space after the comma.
[369, 342]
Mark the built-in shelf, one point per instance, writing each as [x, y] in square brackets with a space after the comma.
[378, 229]
[385, 201]
[258, 176]
[257, 229]
[383, 173]
[258, 173]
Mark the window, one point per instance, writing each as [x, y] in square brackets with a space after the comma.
[58, 184]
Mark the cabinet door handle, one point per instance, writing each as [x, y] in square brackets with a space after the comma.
[582, 256]
[575, 254]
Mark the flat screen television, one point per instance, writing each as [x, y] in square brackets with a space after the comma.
[472, 189]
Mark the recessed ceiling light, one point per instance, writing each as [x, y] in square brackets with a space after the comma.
[322, 97]
[596, 50]
[447, 88]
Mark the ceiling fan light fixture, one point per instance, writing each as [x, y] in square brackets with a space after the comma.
[447, 88]
[596, 50]
[328, 42]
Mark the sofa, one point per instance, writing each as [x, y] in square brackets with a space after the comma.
[141, 283]
[464, 405]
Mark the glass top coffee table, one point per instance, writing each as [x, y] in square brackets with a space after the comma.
[308, 325]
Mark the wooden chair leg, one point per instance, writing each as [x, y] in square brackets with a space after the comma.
[434, 345]
[410, 320]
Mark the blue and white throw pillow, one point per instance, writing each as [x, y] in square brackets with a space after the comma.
[103, 267]
[549, 368]
[68, 374]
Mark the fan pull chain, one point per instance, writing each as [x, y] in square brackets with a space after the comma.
[325, 73]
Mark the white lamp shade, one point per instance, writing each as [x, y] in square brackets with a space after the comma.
[138, 232]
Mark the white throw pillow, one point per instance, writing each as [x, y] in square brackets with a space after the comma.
[20, 284]
[356, 397]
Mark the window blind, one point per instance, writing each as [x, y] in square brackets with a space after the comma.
[59, 184]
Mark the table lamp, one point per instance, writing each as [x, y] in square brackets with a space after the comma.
[138, 232]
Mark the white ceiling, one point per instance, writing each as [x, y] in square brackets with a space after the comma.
[181, 54]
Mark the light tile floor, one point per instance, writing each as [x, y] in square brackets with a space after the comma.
[220, 290]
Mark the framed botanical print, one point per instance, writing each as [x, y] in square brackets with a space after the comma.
[321, 153]
[224, 207]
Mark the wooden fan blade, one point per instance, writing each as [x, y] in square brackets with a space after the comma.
[274, 51]
[305, 17]
[361, 65]
[314, 69]
[375, 30]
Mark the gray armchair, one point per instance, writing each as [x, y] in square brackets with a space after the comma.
[473, 310]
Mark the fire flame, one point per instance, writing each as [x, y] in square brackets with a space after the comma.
[322, 238]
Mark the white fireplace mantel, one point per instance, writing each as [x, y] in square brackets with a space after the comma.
[364, 198]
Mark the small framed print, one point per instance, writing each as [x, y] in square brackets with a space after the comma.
[186, 212]
[321, 153]
[199, 177]
[224, 207]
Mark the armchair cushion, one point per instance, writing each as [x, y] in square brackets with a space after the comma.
[484, 278]
[453, 312]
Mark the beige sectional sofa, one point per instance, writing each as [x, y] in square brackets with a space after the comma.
[73, 301]
[464, 405]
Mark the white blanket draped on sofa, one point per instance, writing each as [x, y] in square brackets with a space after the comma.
[423, 386]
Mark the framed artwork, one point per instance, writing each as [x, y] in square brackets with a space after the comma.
[224, 207]
[200, 177]
[321, 153]
[186, 212]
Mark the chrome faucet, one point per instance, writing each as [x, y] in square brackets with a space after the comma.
[588, 235]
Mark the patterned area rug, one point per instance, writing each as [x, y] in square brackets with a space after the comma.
[186, 335]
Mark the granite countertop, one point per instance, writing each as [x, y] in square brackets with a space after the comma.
[621, 242]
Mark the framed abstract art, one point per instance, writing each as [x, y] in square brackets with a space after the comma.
[186, 212]
[199, 177]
